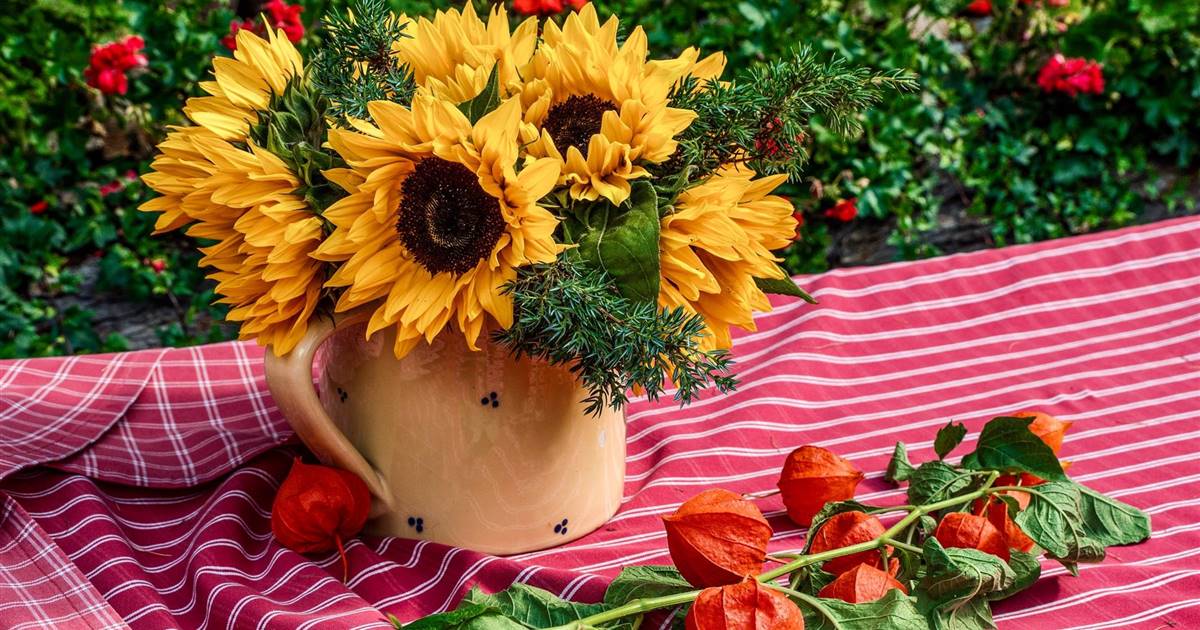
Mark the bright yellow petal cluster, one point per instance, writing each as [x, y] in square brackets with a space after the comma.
[453, 54]
[602, 108]
[395, 182]
[265, 234]
[717, 242]
[243, 85]
[243, 197]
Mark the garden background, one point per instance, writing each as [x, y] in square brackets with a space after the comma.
[983, 154]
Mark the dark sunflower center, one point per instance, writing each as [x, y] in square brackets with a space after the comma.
[572, 122]
[447, 222]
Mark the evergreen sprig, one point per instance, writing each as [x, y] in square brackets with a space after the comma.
[567, 313]
[356, 63]
[761, 118]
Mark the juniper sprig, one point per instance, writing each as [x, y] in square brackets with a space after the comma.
[356, 64]
[761, 117]
[567, 313]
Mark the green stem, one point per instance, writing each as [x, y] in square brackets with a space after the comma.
[645, 605]
[900, 545]
[811, 601]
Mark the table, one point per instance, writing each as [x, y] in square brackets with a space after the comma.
[136, 488]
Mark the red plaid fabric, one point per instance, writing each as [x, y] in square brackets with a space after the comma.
[137, 487]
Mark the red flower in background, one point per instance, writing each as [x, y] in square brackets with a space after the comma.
[980, 7]
[844, 210]
[545, 7]
[235, 25]
[799, 217]
[112, 187]
[1071, 76]
[109, 63]
[280, 14]
[38, 207]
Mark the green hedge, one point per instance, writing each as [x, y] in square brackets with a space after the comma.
[979, 139]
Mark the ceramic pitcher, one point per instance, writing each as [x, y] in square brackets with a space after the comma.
[474, 449]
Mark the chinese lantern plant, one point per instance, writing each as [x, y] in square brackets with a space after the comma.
[971, 533]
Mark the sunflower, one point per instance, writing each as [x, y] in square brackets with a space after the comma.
[453, 54]
[264, 233]
[437, 219]
[245, 84]
[718, 240]
[602, 108]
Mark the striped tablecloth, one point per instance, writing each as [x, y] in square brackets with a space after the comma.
[137, 487]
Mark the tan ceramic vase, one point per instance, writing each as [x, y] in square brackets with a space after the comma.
[464, 448]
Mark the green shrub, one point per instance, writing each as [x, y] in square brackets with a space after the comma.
[978, 139]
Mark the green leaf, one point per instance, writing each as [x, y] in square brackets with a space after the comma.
[485, 101]
[467, 616]
[1111, 522]
[898, 469]
[814, 580]
[1026, 570]
[934, 481]
[783, 286]
[1054, 520]
[624, 243]
[975, 614]
[956, 582]
[948, 437]
[1007, 445]
[895, 611]
[639, 582]
[531, 606]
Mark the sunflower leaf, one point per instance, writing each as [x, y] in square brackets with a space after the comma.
[486, 101]
[623, 242]
[783, 286]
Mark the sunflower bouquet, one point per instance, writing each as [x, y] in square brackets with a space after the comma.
[548, 187]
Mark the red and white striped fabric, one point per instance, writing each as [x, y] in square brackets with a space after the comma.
[137, 487]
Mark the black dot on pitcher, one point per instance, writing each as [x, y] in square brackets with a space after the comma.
[491, 399]
[561, 528]
[342, 394]
[416, 523]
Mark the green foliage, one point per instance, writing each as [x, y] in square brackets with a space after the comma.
[936, 480]
[567, 313]
[361, 40]
[1008, 445]
[895, 609]
[949, 437]
[762, 116]
[622, 242]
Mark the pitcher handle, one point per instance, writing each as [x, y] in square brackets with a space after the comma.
[289, 378]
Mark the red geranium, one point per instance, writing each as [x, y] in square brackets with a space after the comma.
[546, 7]
[38, 207]
[280, 14]
[980, 7]
[235, 25]
[844, 210]
[1071, 76]
[109, 63]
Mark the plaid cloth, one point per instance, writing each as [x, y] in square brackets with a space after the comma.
[137, 487]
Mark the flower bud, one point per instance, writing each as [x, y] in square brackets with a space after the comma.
[747, 605]
[717, 538]
[813, 476]
[968, 531]
[863, 583]
[843, 530]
